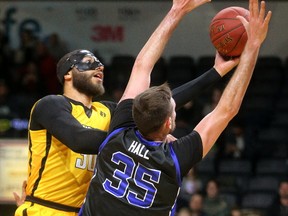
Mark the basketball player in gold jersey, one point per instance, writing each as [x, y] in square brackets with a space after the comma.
[65, 131]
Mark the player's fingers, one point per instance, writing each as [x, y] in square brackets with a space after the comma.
[253, 8]
[23, 194]
[201, 2]
[265, 23]
[262, 10]
[206, 1]
[268, 18]
[17, 198]
[24, 184]
[244, 22]
[250, 8]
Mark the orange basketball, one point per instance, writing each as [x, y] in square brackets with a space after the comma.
[227, 33]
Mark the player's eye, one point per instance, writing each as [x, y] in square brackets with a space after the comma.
[88, 61]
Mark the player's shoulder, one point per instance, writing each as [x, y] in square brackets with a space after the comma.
[51, 100]
[111, 105]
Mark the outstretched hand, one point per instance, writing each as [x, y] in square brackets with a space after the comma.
[188, 5]
[257, 27]
[20, 200]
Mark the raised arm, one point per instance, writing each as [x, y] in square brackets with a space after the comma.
[153, 49]
[188, 91]
[214, 123]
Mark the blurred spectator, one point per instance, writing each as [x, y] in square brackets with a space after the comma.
[22, 55]
[234, 144]
[213, 204]
[30, 82]
[117, 94]
[56, 47]
[184, 212]
[182, 127]
[5, 58]
[187, 118]
[6, 111]
[196, 205]
[215, 95]
[47, 69]
[280, 204]
[5, 101]
[25, 51]
[213, 101]
[190, 113]
[29, 90]
[235, 211]
[190, 185]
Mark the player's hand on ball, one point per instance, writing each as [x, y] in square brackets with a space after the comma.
[223, 64]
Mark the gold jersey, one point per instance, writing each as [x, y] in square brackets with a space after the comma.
[58, 175]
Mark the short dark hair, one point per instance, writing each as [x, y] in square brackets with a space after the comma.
[151, 108]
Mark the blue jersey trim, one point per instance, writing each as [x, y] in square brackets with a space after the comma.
[109, 136]
[81, 211]
[177, 166]
[146, 142]
[173, 211]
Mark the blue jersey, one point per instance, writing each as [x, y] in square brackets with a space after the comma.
[134, 176]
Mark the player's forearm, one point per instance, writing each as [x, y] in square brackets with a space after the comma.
[150, 54]
[256, 29]
[155, 45]
[234, 92]
[76, 137]
[188, 91]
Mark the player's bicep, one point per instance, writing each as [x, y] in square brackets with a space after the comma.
[210, 128]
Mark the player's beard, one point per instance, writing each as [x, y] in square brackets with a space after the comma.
[83, 83]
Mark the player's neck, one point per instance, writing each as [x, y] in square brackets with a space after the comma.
[78, 96]
[156, 137]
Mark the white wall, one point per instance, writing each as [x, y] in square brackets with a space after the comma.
[77, 22]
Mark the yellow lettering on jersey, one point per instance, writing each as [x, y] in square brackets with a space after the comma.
[86, 162]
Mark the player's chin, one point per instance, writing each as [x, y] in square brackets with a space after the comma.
[101, 89]
[97, 87]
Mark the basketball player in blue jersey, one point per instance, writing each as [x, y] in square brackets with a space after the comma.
[64, 130]
[137, 172]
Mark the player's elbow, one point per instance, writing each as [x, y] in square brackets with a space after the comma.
[231, 111]
[141, 64]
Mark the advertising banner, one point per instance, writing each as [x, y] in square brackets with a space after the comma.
[13, 167]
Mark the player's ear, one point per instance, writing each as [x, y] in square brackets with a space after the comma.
[168, 123]
[68, 76]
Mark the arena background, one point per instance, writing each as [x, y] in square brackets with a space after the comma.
[113, 28]
[122, 27]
